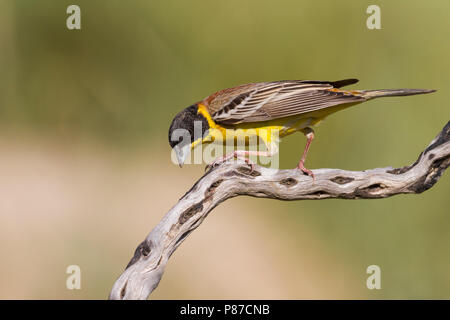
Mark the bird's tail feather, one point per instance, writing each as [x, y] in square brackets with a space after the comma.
[371, 94]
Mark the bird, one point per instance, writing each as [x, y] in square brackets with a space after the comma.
[278, 107]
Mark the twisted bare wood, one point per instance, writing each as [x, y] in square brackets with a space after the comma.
[146, 268]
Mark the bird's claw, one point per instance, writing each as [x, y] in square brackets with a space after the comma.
[218, 161]
[213, 164]
[226, 158]
[306, 171]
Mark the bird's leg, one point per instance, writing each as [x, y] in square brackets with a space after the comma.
[309, 133]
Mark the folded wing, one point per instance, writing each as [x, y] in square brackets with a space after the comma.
[273, 100]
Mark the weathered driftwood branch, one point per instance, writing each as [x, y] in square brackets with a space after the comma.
[146, 268]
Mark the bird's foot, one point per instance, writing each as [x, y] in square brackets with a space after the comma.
[230, 156]
[301, 166]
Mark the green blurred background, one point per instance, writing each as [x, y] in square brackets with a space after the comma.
[85, 168]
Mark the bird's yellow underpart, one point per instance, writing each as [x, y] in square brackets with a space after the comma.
[242, 133]
[267, 131]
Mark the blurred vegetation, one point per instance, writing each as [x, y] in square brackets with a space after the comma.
[136, 63]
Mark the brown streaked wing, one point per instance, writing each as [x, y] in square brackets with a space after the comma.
[273, 100]
[222, 98]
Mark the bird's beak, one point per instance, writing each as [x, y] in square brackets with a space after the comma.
[182, 153]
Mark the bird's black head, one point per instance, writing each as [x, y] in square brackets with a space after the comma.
[186, 122]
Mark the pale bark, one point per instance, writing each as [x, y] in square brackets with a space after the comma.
[146, 268]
